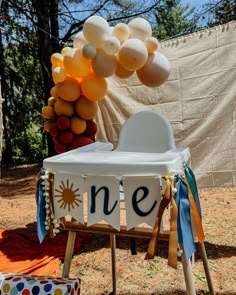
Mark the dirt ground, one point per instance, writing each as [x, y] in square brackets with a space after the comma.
[92, 263]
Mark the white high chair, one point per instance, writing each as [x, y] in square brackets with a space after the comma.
[146, 146]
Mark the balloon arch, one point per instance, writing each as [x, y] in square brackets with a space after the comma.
[79, 74]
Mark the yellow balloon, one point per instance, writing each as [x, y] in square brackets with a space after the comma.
[58, 75]
[75, 64]
[133, 54]
[140, 28]
[79, 40]
[156, 70]
[69, 89]
[95, 30]
[121, 32]
[65, 50]
[111, 45]
[57, 59]
[104, 65]
[122, 72]
[94, 87]
[89, 51]
[151, 44]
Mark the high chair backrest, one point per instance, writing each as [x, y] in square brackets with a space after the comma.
[148, 132]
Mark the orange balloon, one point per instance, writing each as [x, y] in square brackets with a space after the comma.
[86, 108]
[54, 92]
[64, 108]
[94, 87]
[75, 64]
[69, 89]
[51, 101]
[48, 112]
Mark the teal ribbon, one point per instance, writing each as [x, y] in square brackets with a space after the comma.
[41, 209]
[193, 186]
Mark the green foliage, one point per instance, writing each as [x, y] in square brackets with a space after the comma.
[223, 13]
[21, 90]
[173, 19]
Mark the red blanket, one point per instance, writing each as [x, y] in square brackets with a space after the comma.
[22, 253]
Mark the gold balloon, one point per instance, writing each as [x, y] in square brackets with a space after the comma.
[133, 54]
[94, 87]
[75, 64]
[156, 70]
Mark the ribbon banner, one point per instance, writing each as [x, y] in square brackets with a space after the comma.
[68, 196]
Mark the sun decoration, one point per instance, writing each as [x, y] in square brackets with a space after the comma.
[68, 196]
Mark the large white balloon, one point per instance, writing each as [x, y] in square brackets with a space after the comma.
[95, 30]
[133, 54]
[155, 71]
[140, 28]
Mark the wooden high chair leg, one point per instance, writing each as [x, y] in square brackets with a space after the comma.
[188, 275]
[206, 268]
[69, 253]
[113, 261]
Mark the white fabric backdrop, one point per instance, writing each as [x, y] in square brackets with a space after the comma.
[199, 99]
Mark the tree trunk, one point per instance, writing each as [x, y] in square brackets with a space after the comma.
[47, 22]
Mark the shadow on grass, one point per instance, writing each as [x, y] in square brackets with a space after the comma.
[98, 241]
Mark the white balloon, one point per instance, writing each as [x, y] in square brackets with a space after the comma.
[155, 71]
[121, 31]
[152, 44]
[95, 30]
[79, 40]
[133, 54]
[140, 28]
[111, 45]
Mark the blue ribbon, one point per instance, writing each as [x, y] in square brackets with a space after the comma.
[41, 209]
[185, 235]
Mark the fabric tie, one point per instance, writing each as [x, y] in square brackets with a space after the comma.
[41, 206]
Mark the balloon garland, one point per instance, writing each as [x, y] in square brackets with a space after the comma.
[79, 74]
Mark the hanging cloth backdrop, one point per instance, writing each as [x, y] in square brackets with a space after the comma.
[199, 99]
